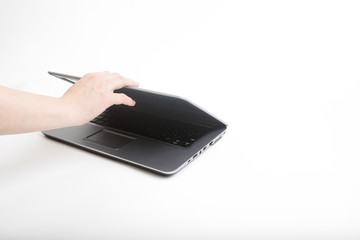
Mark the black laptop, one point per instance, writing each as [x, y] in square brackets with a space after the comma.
[161, 133]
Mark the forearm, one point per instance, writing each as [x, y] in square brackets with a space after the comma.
[22, 112]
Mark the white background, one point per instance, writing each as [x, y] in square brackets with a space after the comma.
[283, 74]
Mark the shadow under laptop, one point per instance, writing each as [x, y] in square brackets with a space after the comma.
[101, 157]
[42, 157]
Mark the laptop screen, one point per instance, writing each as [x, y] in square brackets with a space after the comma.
[163, 118]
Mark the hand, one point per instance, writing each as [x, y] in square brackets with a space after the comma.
[22, 112]
[94, 93]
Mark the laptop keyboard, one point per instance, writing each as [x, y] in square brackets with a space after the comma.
[162, 129]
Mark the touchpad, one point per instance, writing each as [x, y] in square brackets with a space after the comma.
[109, 139]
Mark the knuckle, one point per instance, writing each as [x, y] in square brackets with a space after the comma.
[91, 76]
[122, 84]
[118, 75]
[122, 96]
[88, 75]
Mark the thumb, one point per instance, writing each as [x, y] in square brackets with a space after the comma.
[120, 98]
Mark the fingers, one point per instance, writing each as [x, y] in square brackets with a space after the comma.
[120, 98]
[116, 81]
[111, 81]
[107, 82]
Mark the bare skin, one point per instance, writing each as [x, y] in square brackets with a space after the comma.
[22, 112]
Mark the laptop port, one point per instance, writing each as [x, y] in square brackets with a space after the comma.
[215, 141]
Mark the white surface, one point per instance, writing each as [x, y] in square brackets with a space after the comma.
[283, 74]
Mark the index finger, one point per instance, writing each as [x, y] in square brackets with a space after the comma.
[118, 81]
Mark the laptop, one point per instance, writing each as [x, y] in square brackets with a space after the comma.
[161, 133]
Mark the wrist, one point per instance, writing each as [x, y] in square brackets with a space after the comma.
[69, 114]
